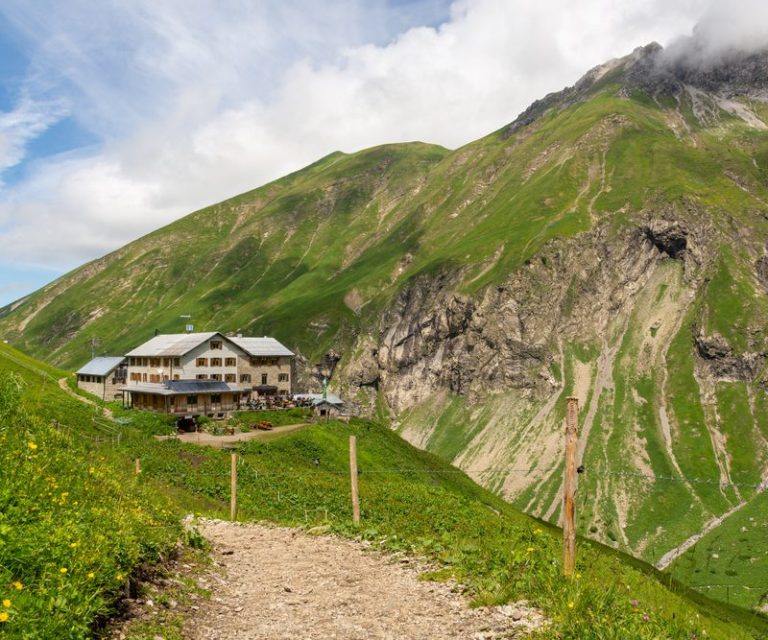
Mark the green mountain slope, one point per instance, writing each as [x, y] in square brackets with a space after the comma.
[609, 244]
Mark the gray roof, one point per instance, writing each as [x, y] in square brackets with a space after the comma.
[182, 387]
[172, 344]
[101, 366]
[265, 346]
[317, 398]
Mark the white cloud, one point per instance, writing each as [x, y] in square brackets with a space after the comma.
[22, 125]
[199, 101]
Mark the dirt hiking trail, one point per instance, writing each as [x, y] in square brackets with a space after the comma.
[279, 584]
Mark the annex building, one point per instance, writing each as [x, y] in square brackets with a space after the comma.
[193, 374]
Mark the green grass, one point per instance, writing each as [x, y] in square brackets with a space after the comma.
[74, 523]
[111, 520]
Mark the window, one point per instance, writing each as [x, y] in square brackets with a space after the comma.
[192, 399]
[154, 362]
[282, 377]
[216, 344]
[201, 362]
[230, 362]
[172, 400]
[176, 376]
[245, 377]
[264, 378]
[215, 362]
[154, 378]
[177, 362]
[215, 376]
[202, 376]
[230, 377]
[216, 398]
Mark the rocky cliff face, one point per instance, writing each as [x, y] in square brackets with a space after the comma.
[433, 339]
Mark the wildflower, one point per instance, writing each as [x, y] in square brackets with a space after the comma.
[7, 603]
[119, 577]
[578, 576]
[3, 616]
[91, 575]
[536, 532]
[645, 617]
[74, 545]
[18, 586]
[571, 605]
[531, 549]
[63, 570]
[32, 445]
[634, 603]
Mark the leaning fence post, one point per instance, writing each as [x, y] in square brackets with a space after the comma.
[353, 479]
[233, 489]
[569, 486]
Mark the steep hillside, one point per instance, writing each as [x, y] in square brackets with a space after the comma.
[609, 244]
[76, 521]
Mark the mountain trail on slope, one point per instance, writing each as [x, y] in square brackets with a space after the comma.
[278, 583]
[65, 387]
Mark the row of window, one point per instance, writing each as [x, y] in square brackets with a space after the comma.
[216, 362]
[83, 378]
[244, 377]
[227, 377]
[155, 362]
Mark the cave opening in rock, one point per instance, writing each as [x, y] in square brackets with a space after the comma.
[672, 242]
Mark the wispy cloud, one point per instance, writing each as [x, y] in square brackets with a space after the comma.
[27, 121]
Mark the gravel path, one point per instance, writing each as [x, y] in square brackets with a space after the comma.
[281, 584]
[65, 387]
[224, 441]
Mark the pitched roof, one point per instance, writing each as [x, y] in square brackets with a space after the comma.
[100, 366]
[265, 346]
[172, 344]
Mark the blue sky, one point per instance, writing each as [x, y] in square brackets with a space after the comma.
[119, 117]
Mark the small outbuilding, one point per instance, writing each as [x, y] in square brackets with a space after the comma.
[103, 377]
[325, 405]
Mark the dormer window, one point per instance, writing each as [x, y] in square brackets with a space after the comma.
[216, 344]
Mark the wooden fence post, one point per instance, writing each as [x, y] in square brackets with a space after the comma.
[137, 466]
[233, 489]
[353, 479]
[569, 486]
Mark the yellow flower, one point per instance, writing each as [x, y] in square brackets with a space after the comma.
[7, 603]
[63, 570]
[73, 544]
[3, 616]
[119, 577]
[578, 576]
[571, 605]
[531, 549]
[91, 575]
[18, 586]
[32, 445]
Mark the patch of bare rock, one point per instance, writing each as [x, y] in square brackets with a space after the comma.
[277, 583]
